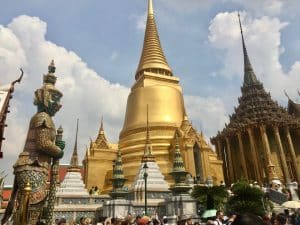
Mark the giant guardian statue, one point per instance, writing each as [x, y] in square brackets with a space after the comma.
[30, 199]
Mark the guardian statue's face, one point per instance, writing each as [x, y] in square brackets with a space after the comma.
[48, 100]
[54, 103]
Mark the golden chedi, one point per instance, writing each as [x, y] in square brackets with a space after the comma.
[156, 87]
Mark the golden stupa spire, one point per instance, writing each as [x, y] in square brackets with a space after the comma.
[101, 131]
[152, 58]
[101, 135]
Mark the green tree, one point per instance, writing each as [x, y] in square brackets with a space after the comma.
[247, 199]
[212, 197]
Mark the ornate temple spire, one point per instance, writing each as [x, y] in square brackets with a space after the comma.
[178, 164]
[118, 178]
[74, 158]
[148, 157]
[152, 58]
[101, 139]
[101, 131]
[118, 168]
[249, 75]
[178, 172]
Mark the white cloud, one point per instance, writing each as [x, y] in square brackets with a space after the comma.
[12, 55]
[208, 114]
[87, 95]
[262, 37]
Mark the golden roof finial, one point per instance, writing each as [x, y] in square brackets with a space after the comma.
[150, 8]
[101, 127]
[152, 58]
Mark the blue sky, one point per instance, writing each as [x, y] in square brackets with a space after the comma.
[97, 45]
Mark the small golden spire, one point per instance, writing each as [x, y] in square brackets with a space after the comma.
[101, 135]
[152, 58]
[101, 126]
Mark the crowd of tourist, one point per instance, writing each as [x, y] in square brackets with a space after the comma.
[82, 221]
[250, 219]
[220, 219]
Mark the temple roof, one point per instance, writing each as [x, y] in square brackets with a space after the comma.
[293, 108]
[152, 58]
[101, 141]
[6, 93]
[255, 105]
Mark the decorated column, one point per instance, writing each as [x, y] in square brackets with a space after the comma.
[242, 151]
[282, 155]
[229, 161]
[293, 154]
[225, 163]
[253, 154]
[271, 168]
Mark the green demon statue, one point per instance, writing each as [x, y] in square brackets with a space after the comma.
[43, 148]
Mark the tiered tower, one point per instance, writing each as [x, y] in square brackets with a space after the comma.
[179, 173]
[156, 86]
[260, 130]
[118, 179]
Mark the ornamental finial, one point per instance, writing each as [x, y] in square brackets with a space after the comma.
[50, 78]
[150, 8]
[51, 67]
[249, 75]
